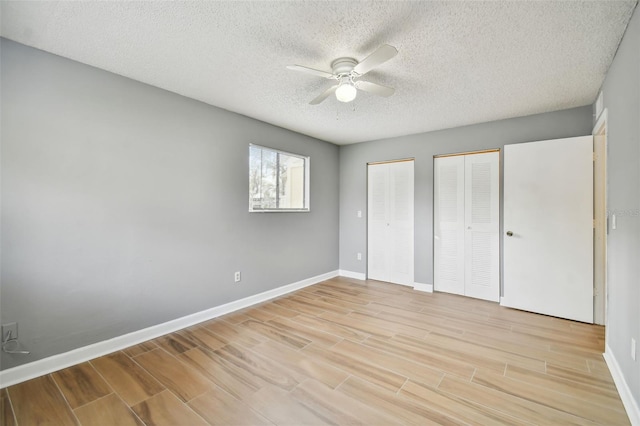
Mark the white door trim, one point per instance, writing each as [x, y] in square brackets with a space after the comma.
[601, 218]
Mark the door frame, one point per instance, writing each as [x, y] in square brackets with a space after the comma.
[601, 219]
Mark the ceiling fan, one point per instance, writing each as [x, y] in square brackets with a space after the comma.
[347, 71]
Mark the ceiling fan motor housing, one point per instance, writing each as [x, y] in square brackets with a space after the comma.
[343, 66]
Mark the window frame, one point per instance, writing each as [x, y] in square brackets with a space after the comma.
[306, 186]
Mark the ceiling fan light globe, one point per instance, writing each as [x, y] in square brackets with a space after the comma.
[346, 92]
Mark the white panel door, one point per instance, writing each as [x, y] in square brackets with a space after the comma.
[482, 223]
[390, 222]
[448, 223]
[548, 224]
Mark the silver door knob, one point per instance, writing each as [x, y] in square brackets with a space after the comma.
[509, 234]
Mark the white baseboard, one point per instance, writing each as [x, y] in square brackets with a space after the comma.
[428, 288]
[53, 363]
[630, 404]
[351, 274]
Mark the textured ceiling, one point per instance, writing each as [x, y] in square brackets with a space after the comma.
[459, 62]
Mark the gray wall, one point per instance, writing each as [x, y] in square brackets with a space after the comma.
[353, 174]
[621, 91]
[125, 206]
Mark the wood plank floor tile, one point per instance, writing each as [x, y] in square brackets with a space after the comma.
[599, 367]
[229, 333]
[355, 298]
[426, 322]
[417, 352]
[548, 398]
[584, 352]
[506, 403]
[219, 408]
[279, 407]
[237, 317]
[557, 337]
[257, 313]
[589, 394]
[471, 355]
[127, 378]
[412, 370]
[81, 384]
[338, 408]
[140, 348]
[174, 343]
[276, 334]
[362, 307]
[38, 402]
[300, 304]
[392, 325]
[313, 335]
[502, 343]
[581, 377]
[202, 337]
[7, 417]
[331, 328]
[279, 311]
[325, 306]
[457, 408]
[467, 324]
[165, 409]
[181, 379]
[357, 325]
[406, 410]
[236, 381]
[486, 357]
[110, 410]
[302, 364]
[359, 367]
[268, 370]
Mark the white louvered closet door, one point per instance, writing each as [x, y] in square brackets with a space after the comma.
[448, 222]
[377, 222]
[482, 226]
[401, 215]
[466, 225]
[390, 222]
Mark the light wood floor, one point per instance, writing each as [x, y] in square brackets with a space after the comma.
[341, 352]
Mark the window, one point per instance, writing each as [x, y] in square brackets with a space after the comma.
[278, 181]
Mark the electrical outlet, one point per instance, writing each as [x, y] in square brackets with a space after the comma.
[237, 277]
[10, 327]
[359, 213]
[633, 349]
[359, 256]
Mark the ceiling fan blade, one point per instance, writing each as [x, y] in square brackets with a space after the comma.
[324, 95]
[380, 56]
[376, 89]
[310, 71]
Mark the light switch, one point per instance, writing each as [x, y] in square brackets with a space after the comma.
[359, 213]
[614, 225]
